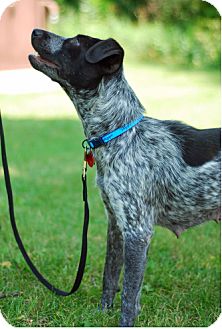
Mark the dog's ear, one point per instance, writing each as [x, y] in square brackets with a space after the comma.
[108, 53]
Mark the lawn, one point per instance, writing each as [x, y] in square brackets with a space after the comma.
[182, 280]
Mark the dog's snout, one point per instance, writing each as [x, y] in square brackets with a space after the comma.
[37, 33]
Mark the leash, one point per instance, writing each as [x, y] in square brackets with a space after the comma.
[88, 145]
[18, 239]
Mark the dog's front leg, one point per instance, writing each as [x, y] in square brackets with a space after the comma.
[135, 251]
[114, 259]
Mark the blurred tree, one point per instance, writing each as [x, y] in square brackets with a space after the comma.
[72, 3]
[183, 32]
[173, 11]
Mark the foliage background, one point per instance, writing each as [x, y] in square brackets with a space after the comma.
[184, 32]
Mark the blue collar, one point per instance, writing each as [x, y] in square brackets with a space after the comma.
[103, 140]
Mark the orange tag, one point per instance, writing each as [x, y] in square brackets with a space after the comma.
[90, 159]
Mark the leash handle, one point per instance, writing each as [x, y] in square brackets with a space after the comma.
[18, 239]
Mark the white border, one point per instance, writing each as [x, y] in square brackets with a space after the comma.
[4, 4]
[218, 323]
[216, 3]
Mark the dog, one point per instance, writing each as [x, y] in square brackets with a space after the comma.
[155, 173]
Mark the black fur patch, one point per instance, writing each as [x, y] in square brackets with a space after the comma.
[198, 145]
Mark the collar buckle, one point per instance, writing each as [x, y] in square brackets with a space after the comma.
[96, 142]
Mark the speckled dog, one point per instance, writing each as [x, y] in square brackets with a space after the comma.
[157, 173]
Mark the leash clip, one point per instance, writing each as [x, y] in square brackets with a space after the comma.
[86, 145]
[88, 155]
[84, 167]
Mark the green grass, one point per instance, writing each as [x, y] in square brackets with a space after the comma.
[182, 280]
[165, 92]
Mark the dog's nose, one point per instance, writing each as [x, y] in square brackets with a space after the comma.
[37, 33]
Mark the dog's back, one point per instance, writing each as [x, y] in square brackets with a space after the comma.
[198, 146]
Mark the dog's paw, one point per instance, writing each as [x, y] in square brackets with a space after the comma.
[125, 322]
[108, 298]
[107, 301]
[104, 307]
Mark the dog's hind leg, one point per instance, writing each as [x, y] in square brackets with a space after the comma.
[114, 261]
[135, 252]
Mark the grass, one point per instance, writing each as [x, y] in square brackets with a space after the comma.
[182, 280]
[166, 93]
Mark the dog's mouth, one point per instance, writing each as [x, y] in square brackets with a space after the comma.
[40, 60]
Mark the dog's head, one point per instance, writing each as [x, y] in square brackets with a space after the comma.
[81, 61]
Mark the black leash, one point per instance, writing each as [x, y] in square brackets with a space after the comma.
[35, 271]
